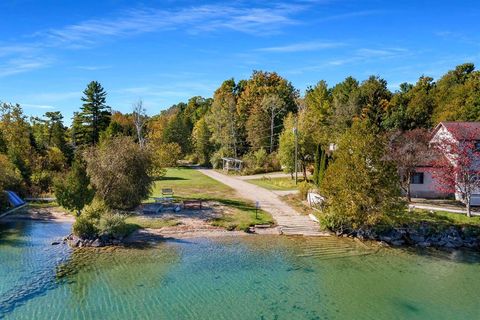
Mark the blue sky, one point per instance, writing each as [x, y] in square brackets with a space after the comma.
[167, 51]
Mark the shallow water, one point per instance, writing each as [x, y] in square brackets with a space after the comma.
[256, 277]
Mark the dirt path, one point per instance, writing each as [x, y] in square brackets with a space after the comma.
[289, 220]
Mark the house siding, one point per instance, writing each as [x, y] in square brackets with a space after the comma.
[428, 189]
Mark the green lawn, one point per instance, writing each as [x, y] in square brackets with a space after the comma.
[191, 184]
[440, 218]
[274, 183]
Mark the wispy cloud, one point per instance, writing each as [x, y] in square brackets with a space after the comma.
[364, 54]
[36, 106]
[349, 15]
[458, 36]
[303, 46]
[359, 55]
[23, 64]
[258, 20]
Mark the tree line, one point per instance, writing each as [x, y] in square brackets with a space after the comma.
[252, 119]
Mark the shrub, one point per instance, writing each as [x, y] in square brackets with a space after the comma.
[304, 187]
[167, 155]
[95, 210]
[114, 225]
[85, 228]
[216, 159]
[261, 157]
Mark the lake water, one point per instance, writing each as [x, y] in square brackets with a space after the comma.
[255, 277]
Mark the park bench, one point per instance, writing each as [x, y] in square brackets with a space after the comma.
[167, 192]
[192, 204]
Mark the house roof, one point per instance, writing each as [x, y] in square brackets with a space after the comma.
[461, 130]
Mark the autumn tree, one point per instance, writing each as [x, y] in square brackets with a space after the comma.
[409, 150]
[119, 172]
[457, 95]
[251, 113]
[224, 121]
[201, 141]
[306, 145]
[361, 184]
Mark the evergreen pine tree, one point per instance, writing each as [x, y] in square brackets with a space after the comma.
[94, 116]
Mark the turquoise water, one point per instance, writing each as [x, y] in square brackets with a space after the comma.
[256, 277]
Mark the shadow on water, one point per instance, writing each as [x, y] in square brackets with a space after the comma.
[455, 255]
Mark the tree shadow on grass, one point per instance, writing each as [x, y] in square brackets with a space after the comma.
[170, 179]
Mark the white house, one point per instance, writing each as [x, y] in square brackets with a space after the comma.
[422, 184]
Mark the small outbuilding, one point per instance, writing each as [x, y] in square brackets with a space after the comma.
[232, 164]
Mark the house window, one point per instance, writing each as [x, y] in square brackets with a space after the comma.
[417, 178]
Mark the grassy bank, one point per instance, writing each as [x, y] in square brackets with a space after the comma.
[438, 218]
[191, 184]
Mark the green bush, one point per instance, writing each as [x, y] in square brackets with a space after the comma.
[95, 210]
[261, 158]
[304, 187]
[114, 225]
[260, 162]
[216, 159]
[85, 228]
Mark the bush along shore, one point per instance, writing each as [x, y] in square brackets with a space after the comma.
[425, 234]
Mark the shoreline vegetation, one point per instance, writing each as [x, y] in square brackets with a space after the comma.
[350, 142]
[233, 217]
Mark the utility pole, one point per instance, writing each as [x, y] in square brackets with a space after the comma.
[295, 132]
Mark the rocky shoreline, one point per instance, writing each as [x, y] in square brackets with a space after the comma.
[102, 241]
[423, 235]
